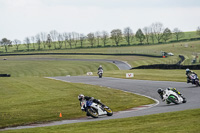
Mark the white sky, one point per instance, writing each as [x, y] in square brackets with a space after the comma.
[25, 18]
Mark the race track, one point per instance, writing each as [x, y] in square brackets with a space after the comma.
[143, 87]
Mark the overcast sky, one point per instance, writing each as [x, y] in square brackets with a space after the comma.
[25, 18]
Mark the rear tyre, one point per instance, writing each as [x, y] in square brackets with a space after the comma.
[173, 99]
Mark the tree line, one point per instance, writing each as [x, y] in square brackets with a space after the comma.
[155, 33]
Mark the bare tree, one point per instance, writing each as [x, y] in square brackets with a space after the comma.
[147, 33]
[75, 38]
[49, 41]
[27, 42]
[178, 33]
[116, 35]
[105, 37]
[198, 31]
[33, 41]
[82, 38]
[98, 37]
[5, 42]
[91, 39]
[38, 41]
[151, 35]
[69, 39]
[54, 37]
[17, 43]
[167, 34]
[43, 37]
[60, 40]
[139, 35]
[158, 30]
[128, 34]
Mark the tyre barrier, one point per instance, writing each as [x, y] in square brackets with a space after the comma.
[5, 75]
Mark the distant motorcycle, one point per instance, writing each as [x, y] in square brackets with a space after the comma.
[194, 79]
[95, 110]
[172, 97]
[100, 73]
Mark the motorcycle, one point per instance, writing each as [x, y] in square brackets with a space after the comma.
[193, 78]
[100, 73]
[172, 97]
[95, 110]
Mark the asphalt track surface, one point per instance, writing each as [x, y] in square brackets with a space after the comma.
[142, 87]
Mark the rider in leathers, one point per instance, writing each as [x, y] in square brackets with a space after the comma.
[81, 97]
[160, 91]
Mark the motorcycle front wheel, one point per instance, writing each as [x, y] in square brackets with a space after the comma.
[92, 112]
[109, 111]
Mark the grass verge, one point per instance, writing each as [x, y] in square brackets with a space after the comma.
[25, 100]
[151, 74]
[180, 122]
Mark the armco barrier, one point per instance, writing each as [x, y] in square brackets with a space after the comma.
[5, 75]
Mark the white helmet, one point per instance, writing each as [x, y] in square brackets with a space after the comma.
[100, 66]
[187, 70]
[80, 97]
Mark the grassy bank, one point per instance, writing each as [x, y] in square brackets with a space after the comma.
[180, 122]
[152, 74]
[31, 99]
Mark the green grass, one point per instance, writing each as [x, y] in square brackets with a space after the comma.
[180, 122]
[26, 100]
[152, 74]
[41, 68]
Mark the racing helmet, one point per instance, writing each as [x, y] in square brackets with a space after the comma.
[187, 70]
[100, 66]
[80, 97]
[160, 90]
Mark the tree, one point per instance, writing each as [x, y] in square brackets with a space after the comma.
[75, 38]
[198, 31]
[17, 43]
[147, 33]
[82, 38]
[139, 35]
[60, 41]
[128, 34]
[43, 37]
[158, 30]
[38, 40]
[167, 34]
[116, 35]
[27, 42]
[178, 33]
[69, 39]
[98, 37]
[33, 41]
[5, 42]
[49, 40]
[105, 37]
[54, 37]
[91, 39]
[151, 35]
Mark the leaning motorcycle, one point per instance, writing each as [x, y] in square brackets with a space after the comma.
[100, 73]
[194, 79]
[95, 110]
[172, 97]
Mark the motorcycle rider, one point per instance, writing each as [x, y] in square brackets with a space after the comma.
[100, 68]
[191, 76]
[81, 97]
[160, 91]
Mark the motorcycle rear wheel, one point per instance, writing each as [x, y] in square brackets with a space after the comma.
[173, 100]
